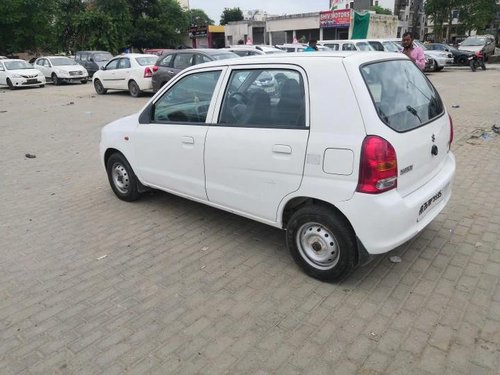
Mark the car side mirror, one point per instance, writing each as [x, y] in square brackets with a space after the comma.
[102, 68]
[91, 59]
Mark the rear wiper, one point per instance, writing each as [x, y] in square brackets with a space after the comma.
[413, 111]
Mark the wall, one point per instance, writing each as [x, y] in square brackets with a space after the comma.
[383, 26]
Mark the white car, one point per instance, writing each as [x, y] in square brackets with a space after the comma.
[17, 73]
[346, 45]
[246, 50]
[299, 47]
[348, 172]
[132, 72]
[61, 69]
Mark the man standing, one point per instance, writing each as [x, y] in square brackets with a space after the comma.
[414, 52]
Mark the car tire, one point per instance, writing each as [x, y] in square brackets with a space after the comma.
[10, 84]
[436, 66]
[122, 178]
[84, 81]
[134, 89]
[440, 68]
[99, 88]
[321, 242]
[462, 60]
[55, 80]
[42, 86]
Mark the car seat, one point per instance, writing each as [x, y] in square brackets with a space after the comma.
[290, 109]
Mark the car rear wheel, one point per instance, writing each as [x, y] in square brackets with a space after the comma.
[10, 84]
[99, 88]
[321, 242]
[134, 89]
[462, 60]
[122, 178]
[436, 66]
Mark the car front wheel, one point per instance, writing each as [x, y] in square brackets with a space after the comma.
[99, 88]
[321, 242]
[55, 80]
[122, 178]
[10, 84]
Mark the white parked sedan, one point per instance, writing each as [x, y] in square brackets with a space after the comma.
[348, 172]
[131, 71]
[17, 73]
[61, 69]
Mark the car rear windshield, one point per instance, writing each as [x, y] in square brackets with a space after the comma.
[102, 57]
[223, 56]
[403, 97]
[146, 60]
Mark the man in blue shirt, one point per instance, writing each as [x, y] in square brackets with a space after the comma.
[312, 46]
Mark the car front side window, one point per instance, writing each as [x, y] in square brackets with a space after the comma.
[268, 98]
[113, 64]
[188, 100]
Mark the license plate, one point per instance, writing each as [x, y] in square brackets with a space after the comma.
[432, 202]
[31, 81]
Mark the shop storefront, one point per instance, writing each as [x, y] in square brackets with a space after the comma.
[334, 24]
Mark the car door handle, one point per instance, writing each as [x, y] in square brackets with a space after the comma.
[282, 149]
[188, 140]
[170, 71]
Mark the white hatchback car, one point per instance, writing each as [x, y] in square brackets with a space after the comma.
[348, 172]
[131, 71]
[61, 69]
[17, 73]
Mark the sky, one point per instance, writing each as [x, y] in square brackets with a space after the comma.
[214, 8]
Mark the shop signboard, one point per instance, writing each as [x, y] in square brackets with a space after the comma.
[335, 18]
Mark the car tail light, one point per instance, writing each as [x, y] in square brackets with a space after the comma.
[451, 132]
[147, 72]
[378, 168]
[155, 68]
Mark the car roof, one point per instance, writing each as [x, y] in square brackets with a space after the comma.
[53, 57]
[7, 60]
[133, 55]
[297, 58]
[93, 52]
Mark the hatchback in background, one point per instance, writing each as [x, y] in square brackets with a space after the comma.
[61, 69]
[171, 63]
[344, 180]
[299, 47]
[346, 45]
[17, 73]
[246, 50]
[92, 60]
[131, 72]
[479, 43]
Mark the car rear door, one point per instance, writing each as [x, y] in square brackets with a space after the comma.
[255, 150]
[122, 74]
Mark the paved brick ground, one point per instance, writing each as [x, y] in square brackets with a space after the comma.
[90, 284]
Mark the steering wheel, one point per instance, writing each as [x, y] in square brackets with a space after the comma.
[238, 98]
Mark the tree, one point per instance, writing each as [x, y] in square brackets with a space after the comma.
[198, 17]
[379, 10]
[230, 15]
[477, 14]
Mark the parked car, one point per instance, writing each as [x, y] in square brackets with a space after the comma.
[171, 63]
[346, 45]
[245, 50]
[131, 72]
[344, 180]
[61, 69]
[299, 47]
[479, 43]
[459, 57]
[17, 73]
[92, 60]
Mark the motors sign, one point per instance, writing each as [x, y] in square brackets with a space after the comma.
[335, 18]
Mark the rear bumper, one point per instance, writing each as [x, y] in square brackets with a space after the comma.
[383, 222]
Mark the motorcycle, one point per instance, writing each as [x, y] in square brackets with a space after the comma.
[477, 60]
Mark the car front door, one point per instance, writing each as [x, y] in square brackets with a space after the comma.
[254, 155]
[108, 76]
[42, 65]
[170, 143]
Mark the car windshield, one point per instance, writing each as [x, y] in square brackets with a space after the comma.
[225, 55]
[102, 57]
[15, 65]
[363, 46]
[62, 61]
[474, 42]
[146, 60]
[402, 95]
[391, 47]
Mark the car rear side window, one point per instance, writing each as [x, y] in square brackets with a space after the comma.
[147, 60]
[403, 97]
[166, 61]
[267, 98]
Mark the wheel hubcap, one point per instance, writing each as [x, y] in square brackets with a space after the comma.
[318, 246]
[120, 178]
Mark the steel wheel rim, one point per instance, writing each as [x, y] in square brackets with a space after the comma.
[133, 89]
[318, 246]
[120, 177]
[98, 85]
